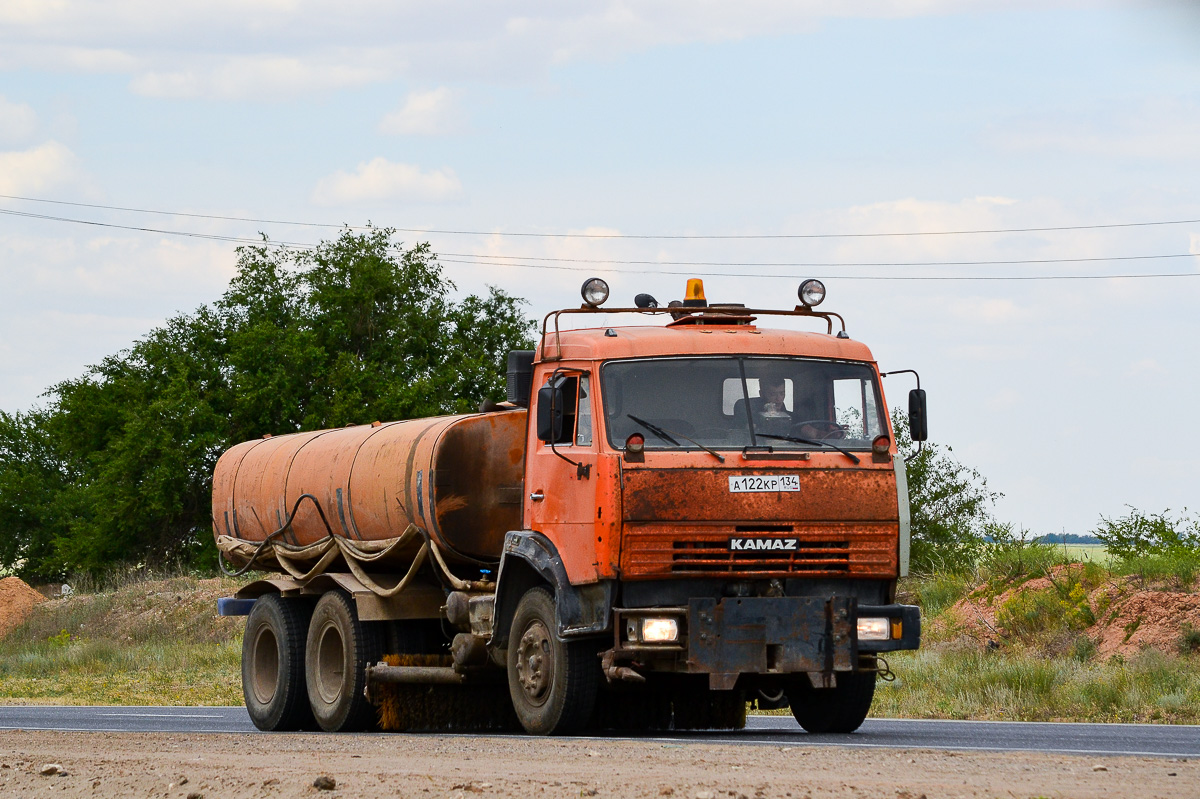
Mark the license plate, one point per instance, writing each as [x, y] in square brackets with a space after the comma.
[752, 483]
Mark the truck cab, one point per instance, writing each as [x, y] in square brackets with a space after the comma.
[722, 502]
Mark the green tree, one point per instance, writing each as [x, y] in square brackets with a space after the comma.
[118, 467]
[950, 505]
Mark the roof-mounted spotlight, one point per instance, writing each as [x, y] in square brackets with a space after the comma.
[594, 291]
[812, 292]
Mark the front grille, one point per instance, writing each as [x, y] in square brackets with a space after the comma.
[813, 550]
[716, 557]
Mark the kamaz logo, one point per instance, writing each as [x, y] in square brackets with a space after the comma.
[747, 544]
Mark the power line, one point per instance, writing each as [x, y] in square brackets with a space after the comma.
[833, 276]
[457, 258]
[1090, 259]
[185, 233]
[178, 213]
[662, 236]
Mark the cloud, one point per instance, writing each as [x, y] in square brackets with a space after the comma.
[990, 311]
[201, 47]
[381, 179]
[1159, 129]
[18, 122]
[36, 170]
[428, 113]
[252, 77]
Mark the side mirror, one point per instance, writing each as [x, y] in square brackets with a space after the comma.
[918, 419]
[519, 377]
[550, 425]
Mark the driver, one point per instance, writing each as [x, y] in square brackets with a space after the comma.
[770, 413]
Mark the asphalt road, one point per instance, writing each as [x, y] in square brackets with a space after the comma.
[1152, 740]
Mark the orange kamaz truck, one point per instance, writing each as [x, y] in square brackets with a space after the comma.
[662, 523]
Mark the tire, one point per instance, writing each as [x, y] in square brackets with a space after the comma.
[273, 664]
[552, 683]
[839, 709]
[335, 662]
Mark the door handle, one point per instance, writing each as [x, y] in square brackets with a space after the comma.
[537, 496]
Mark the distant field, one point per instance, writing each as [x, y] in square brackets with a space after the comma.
[1096, 553]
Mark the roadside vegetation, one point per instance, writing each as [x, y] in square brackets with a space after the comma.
[1048, 632]
[135, 639]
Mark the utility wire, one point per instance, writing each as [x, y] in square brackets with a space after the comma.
[178, 213]
[828, 264]
[458, 259]
[833, 276]
[705, 237]
[186, 233]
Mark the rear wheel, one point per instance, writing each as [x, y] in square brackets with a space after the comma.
[273, 664]
[842, 708]
[339, 649]
[553, 683]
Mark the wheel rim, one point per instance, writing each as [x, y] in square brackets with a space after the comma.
[265, 680]
[535, 663]
[331, 663]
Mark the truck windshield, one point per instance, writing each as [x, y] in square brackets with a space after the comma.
[735, 402]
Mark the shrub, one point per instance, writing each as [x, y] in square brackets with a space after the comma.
[1189, 640]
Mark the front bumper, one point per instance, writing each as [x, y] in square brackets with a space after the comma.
[733, 636]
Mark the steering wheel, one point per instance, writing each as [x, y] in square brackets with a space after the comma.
[825, 429]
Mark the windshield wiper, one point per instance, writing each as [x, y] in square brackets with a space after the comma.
[814, 443]
[666, 435]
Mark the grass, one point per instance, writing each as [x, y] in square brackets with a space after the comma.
[157, 642]
[956, 684]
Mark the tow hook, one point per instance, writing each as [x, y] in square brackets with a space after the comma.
[613, 672]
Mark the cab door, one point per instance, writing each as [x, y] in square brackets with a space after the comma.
[561, 480]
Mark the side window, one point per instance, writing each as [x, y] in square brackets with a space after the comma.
[583, 417]
[556, 417]
[570, 387]
[854, 401]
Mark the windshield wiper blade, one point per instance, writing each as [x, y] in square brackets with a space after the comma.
[666, 434]
[655, 429]
[814, 443]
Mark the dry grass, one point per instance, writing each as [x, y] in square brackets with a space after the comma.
[157, 642]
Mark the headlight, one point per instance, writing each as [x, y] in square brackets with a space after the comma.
[812, 292]
[594, 291]
[660, 631]
[874, 629]
[656, 630]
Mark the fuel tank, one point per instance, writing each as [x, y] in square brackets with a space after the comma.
[459, 478]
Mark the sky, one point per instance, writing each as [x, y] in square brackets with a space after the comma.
[637, 130]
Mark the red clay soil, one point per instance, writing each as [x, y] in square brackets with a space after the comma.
[1129, 616]
[17, 601]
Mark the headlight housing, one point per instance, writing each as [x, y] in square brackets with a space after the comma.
[594, 291]
[811, 292]
[874, 628]
[652, 630]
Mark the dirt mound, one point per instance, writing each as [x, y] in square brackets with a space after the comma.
[1121, 615]
[17, 600]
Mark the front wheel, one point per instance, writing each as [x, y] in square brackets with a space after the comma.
[842, 708]
[552, 682]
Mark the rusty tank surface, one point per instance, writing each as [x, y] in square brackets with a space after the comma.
[457, 478]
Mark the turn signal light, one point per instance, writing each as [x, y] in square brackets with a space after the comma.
[881, 445]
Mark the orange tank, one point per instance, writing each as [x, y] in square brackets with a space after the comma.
[459, 478]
